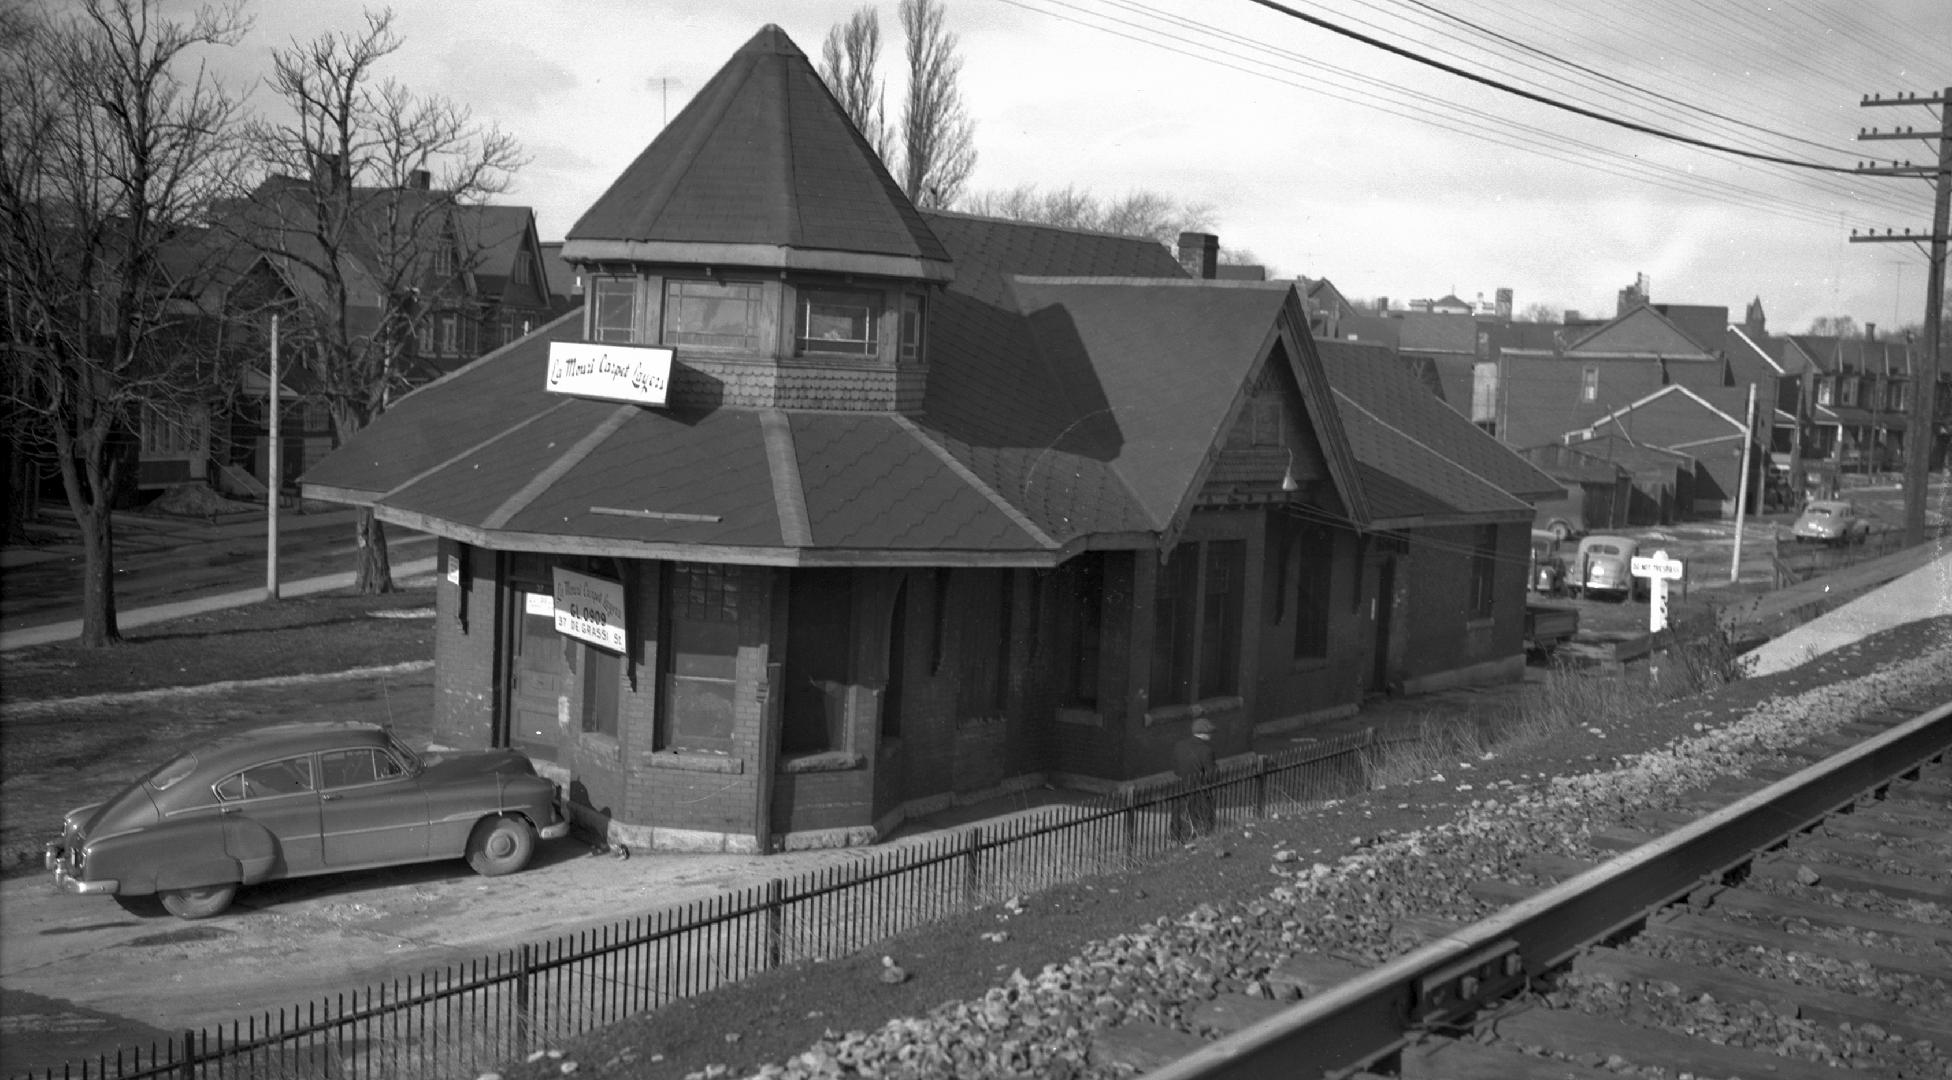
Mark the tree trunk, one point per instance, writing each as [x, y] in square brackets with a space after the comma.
[97, 578]
[373, 574]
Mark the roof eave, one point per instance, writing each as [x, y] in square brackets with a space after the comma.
[764, 256]
[745, 555]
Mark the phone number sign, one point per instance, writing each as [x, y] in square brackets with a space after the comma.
[590, 608]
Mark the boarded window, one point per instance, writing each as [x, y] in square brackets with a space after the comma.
[1314, 556]
[1484, 571]
[1174, 627]
[602, 678]
[819, 635]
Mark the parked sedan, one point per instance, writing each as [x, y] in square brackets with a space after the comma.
[1604, 564]
[301, 799]
[1832, 521]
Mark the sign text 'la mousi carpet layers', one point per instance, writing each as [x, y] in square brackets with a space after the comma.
[639, 374]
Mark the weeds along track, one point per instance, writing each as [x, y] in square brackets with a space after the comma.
[1792, 922]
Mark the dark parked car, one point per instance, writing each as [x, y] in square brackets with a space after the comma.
[300, 799]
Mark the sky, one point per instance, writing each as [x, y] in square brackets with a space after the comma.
[1320, 155]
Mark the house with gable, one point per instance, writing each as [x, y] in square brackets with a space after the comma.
[839, 512]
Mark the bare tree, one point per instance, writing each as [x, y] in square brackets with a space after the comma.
[1539, 313]
[1136, 213]
[938, 137]
[848, 59]
[364, 220]
[111, 145]
[1841, 326]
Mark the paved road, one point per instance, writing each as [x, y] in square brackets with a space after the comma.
[167, 567]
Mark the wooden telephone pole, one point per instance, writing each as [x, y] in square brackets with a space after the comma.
[1922, 422]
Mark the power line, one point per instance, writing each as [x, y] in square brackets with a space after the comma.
[1542, 99]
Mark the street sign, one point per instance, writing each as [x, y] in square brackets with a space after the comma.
[1657, 566]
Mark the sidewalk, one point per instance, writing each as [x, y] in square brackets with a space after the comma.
[1918, 593]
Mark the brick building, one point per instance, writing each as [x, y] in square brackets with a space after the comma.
[917, 508]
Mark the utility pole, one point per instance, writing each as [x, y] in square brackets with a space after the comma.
[1922, 422]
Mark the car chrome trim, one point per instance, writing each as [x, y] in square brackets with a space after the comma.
[554, 832]
[84, 888]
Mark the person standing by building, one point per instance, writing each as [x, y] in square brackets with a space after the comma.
[1192, 814]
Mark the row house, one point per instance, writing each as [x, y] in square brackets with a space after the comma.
[824, 512]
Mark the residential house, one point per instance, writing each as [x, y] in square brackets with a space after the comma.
[824, 512]
[457, 280]
[1780, 372]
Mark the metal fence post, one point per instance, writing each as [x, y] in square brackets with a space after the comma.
[972, 868]
[524, 1020]
[189, 1060]
[1260, 786]
[775, 921]
[1131, 816]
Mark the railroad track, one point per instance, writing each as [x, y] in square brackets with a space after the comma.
[1809, 910]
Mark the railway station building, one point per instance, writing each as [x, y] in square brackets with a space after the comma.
[825, 512]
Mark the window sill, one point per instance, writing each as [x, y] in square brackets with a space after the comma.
[1485, 623]
[1207, 707]
[1308, 664]
[1083, 717]
[596, 742]
[968, 722]
[695, 761]
[825, 761]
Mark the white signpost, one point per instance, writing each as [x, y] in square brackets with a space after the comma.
[1660, 570]
[638, 374]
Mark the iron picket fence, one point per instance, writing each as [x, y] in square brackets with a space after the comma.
[464, 1018]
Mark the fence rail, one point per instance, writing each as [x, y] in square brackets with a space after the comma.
[461, 1019]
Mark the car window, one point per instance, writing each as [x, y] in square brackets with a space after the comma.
[288, 776]
[1819, 511]
[363, 765]
[1604, 549]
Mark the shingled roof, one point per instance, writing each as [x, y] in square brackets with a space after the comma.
[761, 169]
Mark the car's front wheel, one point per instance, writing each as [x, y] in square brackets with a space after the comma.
[200, 903]
[500, 846]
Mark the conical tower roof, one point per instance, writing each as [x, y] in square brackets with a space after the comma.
[762, 168]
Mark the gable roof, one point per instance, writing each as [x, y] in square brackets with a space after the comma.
[761, 169]
[1640, 331]
[1419, 457]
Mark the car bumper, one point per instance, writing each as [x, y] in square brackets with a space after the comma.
[554, 832]
[55, 856]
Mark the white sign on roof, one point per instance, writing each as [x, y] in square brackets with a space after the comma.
[640, 374]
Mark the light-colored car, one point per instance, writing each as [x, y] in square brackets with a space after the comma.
[1832, 521]
[1604, 565]
[295, 800]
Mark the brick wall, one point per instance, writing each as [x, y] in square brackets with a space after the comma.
[467, 634]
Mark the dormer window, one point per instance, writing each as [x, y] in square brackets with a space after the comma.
[833, 321]
[913, 308]
[717, 314]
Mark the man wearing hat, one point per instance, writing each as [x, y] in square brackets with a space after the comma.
[1192, 761]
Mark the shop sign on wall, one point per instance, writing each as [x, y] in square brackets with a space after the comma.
[590, 608]
[634, 373]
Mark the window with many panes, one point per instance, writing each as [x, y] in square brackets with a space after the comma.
[1589, 384]
[613, 309]
[913, 310]
[702, 605]
[838, 322]
[715, 314]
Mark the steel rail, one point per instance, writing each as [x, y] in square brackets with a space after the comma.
[1381, 1011]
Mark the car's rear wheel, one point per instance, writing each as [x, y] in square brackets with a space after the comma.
[199, 903]
[500, 846]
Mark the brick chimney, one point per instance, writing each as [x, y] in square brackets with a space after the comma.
[1199, 253]
[419, 180]
[1870, 331]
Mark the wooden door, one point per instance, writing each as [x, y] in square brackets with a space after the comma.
[539, 676]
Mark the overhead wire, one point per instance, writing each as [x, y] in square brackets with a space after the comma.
[1547, 100]
[1496, 129]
